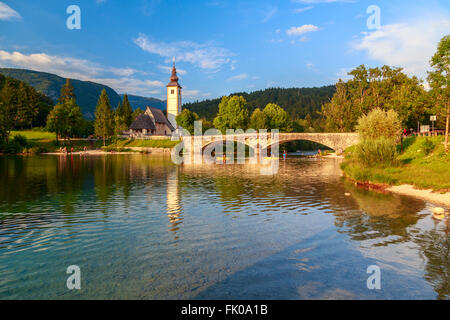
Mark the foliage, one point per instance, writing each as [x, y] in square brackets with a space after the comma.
[120, 121]
[104, 122]
[259, 120]
[67, 92]
[427, 145]
[233, 114]
[415, 166]
[376, 152]
[277, 118]
[20, 106]
[136, 113]
[127, 112]
[379, 123]
[297, 102]
[15, 145]
[86, 92]
[65, 119]
[186, 120]
[439, 79]
[385, 88]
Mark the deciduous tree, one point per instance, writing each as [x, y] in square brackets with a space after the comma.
[439, 79]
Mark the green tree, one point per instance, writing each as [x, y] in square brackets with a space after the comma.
[233, 114]
[104, 122]
[339, 114]
[127, 111]
[258, 120]
[119, 120]
[186, 120]
[136, 113]
[65, 119]
[277, 118]
[8, 109]
[439, 79]
[67, 92]
[379, 124]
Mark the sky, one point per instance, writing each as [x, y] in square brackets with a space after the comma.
[220, 47]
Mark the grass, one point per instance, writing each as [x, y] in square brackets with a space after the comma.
[423, 164]
[35, 135]
[40, 141]
[167, 143]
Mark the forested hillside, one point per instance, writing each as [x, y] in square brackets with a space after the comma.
[87, 92]
[298, 102]
[143, 102]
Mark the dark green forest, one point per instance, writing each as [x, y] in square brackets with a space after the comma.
[297, 102]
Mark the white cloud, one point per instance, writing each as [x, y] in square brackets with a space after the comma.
[206, 56]
[68, 67]
[306, 28]
[299, 10]
[8, 13]
[408, 45]
[168, 69]
[239, 77]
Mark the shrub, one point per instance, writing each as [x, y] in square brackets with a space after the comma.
[379, 123]
[20, 140]
[427, 146]
[373, 152]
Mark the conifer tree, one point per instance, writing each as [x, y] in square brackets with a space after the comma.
[127, 111]
[119, 120]
[67, 92]
[104, 122]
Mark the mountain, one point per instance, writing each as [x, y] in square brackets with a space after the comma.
[143, 102]
[298, 102]
[86, 92]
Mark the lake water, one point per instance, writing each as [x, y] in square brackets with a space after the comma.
[140, 227]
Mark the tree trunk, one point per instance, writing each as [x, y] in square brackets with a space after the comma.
[104, 142]
[446, 132]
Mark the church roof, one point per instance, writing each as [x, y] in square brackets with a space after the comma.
[159, 117]
[174, 78]
[143, 121]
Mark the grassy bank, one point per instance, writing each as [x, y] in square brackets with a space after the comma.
[166, 143]
[423, 163]
[39, 141]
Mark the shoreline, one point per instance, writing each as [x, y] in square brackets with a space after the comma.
[424, 194]
[409, 190]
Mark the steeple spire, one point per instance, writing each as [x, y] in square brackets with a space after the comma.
[174, 78]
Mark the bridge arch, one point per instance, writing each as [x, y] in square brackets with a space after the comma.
[336, 141]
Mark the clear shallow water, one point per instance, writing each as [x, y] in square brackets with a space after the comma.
[140, 227]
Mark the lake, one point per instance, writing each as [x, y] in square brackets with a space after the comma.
[140, 227]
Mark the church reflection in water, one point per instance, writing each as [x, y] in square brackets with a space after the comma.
[173, 208]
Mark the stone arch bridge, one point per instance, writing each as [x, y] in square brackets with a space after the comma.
[260, 141]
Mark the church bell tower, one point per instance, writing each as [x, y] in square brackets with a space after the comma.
[173, 98]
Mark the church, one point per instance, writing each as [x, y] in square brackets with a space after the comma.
[153, 122]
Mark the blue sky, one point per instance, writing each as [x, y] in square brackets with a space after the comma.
[220, 46]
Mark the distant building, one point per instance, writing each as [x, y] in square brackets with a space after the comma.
[153, 121]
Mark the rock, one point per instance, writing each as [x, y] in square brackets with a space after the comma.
[438, 211]
[347, 194]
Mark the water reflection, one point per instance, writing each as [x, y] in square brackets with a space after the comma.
[142, 227]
